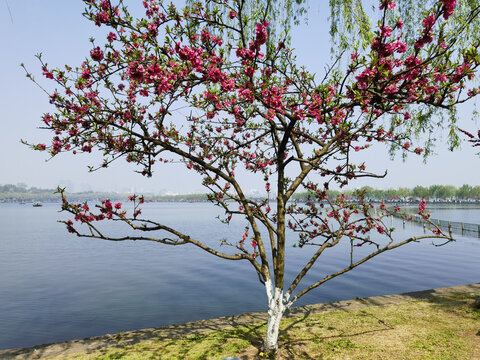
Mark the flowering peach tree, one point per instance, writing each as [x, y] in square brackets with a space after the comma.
[253, 111]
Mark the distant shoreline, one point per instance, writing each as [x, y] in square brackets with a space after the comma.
[445, 194]
[199, 198]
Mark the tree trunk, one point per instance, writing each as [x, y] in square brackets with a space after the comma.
[276, 309]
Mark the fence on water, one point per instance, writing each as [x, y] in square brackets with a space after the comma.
[453, 227]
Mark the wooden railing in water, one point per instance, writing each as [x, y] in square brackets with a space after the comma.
[453, 227]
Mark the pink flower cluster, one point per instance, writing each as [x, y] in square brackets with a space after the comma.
[261, 33]
[421, 207]
[387, 4]
[448, 8]
[96, 54]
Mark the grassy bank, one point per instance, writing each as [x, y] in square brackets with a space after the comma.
[440, 328]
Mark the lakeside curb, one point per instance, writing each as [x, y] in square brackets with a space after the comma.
[226, 322]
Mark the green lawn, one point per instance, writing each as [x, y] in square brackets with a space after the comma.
[440, 328]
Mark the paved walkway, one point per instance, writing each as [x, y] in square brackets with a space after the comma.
[203, 326]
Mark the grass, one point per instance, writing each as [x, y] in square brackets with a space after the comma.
[441, 328]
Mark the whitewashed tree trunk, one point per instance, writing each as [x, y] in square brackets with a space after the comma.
[276, 309]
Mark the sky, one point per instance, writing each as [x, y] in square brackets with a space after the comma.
[57, 29]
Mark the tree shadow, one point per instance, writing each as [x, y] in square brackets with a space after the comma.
[294, 347]
[243, 327]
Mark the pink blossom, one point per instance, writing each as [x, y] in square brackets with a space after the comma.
[47, 73]
[383, 49]
[227, 84]
[244, 236]
[428, 22]
[440, 77]
[387, 4]
[153, 28]
[96, 54]
[86, 148]
[86, 74]
[214, 74]
[386, 31]
[101, 18]
[401, 47]
[245, 53]
[205, 36]
[421, 207]
[249, 71]
[105, 5]
[391, 89]
[111, 37]
[107, 204]
[261, 32]
[232, 14]
[136, 71]
[421, 42]
[449, 6]
[47, 118]
[412, 61]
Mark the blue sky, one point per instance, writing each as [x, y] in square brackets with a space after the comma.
[58, 30]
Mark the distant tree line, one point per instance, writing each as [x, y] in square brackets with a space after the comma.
[433, 192]
[178, 197]
[22, 189]
[21, 192]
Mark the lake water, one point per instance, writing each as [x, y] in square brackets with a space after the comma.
[460, 214]
[55, 286]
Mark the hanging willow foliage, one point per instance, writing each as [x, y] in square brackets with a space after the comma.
[352, 29]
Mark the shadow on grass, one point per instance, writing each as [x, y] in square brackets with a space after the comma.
[457, 302]
[297, 339]
[294, 347]
[198, 346]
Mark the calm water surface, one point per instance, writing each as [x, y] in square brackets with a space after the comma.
[461, 214]
[55, 287]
